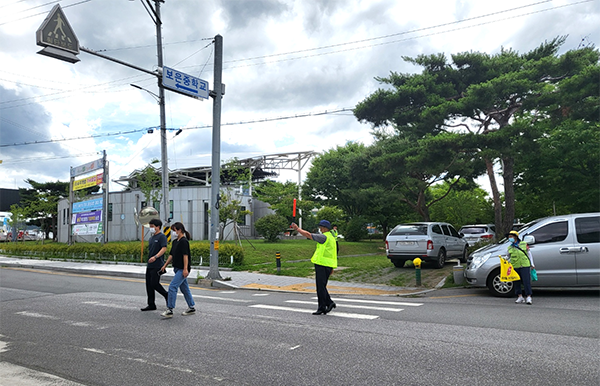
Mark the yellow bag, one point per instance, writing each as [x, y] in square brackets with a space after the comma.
[507, 272]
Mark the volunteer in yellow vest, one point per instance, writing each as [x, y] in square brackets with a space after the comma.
[522, 261]
[325, 260]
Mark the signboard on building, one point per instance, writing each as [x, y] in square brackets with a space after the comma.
[87, 206]
[87, 182]
[87, 217]
[90, 166]
[87, 229]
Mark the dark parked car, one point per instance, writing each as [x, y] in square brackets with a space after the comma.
[430, 241]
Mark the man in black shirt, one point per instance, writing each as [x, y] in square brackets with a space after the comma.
[156, 250]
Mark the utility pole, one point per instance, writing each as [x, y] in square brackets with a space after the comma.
[217, 95]
[163, 125]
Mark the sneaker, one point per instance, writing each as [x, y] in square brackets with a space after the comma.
[520, 300]
[189, 311]
[167, 314]
[528, 301]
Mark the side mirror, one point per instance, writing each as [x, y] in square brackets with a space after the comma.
[529, 239]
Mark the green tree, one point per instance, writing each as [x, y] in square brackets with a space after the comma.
[230, 212]
[17, 220]
[489, 99]
[465, 204]
[40, 203]
[280, 196]
[410, 167]
[271, 226]
[559, 173]
[345, 178]
[150, 182]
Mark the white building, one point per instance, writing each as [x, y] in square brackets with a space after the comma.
[189, 201]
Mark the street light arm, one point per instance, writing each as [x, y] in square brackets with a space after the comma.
[81, 48]
[148, 91]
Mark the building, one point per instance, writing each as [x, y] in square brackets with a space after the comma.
[189, 200]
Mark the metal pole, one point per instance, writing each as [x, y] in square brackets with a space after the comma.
[299, 188]
[163, 125]
[213, 272]
[105, 178]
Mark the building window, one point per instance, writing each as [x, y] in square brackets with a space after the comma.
[242, 219]
[110, 211]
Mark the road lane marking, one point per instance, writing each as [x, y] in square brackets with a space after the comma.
[109, 305]
[307, 311]
[220, 298]
[351, 306]
[376, 302]
[36, 315]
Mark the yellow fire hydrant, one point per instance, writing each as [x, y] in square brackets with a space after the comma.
[417, 264]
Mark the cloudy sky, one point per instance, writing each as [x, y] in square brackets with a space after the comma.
[286, 63]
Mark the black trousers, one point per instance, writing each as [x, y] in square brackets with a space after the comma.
[322, 274]
[153, 284]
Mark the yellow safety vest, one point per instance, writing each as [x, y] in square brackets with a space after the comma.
[518, 259]
[326, 253]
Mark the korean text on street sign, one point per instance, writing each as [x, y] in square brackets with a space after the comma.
[185, 84]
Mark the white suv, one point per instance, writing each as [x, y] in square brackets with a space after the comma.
[430, 241]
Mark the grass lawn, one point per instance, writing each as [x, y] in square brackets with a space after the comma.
[363, 261]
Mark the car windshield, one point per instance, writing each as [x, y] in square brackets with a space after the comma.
[409, 229]
[523, 229]
[473, 230]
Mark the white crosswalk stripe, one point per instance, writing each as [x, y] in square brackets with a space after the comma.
[343, 304]
[407, 304]
[305, 310]
[351, 306]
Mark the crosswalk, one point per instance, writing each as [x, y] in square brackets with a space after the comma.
[370, 306]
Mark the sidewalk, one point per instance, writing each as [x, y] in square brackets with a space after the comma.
[231, 279]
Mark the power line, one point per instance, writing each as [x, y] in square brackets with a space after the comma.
[399, 40]
[46, 158]
[280, 118]
[43, 13]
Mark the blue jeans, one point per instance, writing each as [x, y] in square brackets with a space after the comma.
[525, 274]
[180, 282]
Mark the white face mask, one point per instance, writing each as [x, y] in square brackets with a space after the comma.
[152, 230]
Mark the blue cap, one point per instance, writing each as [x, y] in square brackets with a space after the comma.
[325, 223]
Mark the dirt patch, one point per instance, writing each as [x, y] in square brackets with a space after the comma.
[402, 277]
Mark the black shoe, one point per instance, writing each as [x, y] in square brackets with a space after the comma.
[148, 308]
[319, 312]
[330, 307]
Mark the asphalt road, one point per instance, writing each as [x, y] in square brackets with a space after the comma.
[89, 330]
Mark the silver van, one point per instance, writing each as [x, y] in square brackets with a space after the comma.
[565, 250]
[430, 241]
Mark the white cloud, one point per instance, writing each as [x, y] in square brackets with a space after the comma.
[337, 51]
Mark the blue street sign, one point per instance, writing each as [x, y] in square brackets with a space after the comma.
[185, 84]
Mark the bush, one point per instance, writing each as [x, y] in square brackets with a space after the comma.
[117, 251]
[356, 229]
[271, 226]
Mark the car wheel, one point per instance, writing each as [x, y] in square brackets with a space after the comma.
[463, 257]
[497, 287]
[398, 263]
[441, 258]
